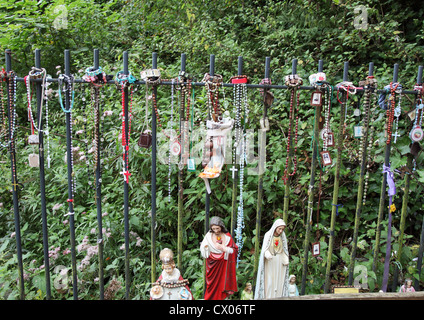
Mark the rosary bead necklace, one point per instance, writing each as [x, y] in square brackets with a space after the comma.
[12, 125]
[240, 102]
[293, 82]
[3, 129]
[390, 113]
[69, 90]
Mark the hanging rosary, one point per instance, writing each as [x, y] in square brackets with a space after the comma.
[370, 88]
[33, 139]
[122, 82]
[151, 77]
[390, 113]
[3, 120]
[12, 126]
[326, 134]
[67, 82]
[97, 78]
[293, 82]
[212, 84]
[240, 102]
[184, 134]
[416, 134]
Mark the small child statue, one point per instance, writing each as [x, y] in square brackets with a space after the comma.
[293, 291]
[247, 293]
[170, 284]
[407, 286]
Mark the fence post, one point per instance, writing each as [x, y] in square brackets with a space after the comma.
[261, 178]
[153, 197]
[421, 249]
[387, 149]
[39, 99]
[126, 184]
[290, 151]
[311, 188]
[336, 179]
[180, 172]
[382, 198]
[235, 179]
[68, 108]
[11, 107]
[359, 200]
[98, 181]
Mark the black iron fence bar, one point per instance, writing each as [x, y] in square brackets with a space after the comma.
[15, 186]
[39, 99]
[153, 177]
[68, 107]
[126, 183]
[98, 183]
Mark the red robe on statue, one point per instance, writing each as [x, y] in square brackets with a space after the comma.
[220, 269]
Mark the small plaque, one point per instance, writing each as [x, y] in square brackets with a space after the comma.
[33, 160]
[316, 99]
[326, 158]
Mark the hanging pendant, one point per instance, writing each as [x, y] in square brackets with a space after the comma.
[316, 99]
[33, 139]
[357, 131]
[33, 160]
[315, 249]
[416, 134]
[356, 112]
[191, 165]
[327, 137]
[326, 158]
[175, 148]
[145, 140]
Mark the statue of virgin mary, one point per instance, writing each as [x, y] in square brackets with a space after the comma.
[273, 271]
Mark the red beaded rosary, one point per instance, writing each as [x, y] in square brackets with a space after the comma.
[125, 141]
[291, 117]
[390, 113]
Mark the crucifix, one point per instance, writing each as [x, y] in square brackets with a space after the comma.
[169, 295]
[126, 174]
[15, 185]
[233, 169]
[396, 134]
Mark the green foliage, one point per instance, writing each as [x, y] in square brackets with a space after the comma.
[283, 30]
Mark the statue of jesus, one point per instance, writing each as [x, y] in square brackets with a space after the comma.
[220, 252]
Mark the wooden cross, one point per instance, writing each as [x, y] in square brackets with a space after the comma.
[233, 169]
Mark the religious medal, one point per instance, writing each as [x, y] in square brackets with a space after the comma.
[326, 158]
[316, 99]
[356, 112]
[175, 148]
[33, 160]
[416, 134]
